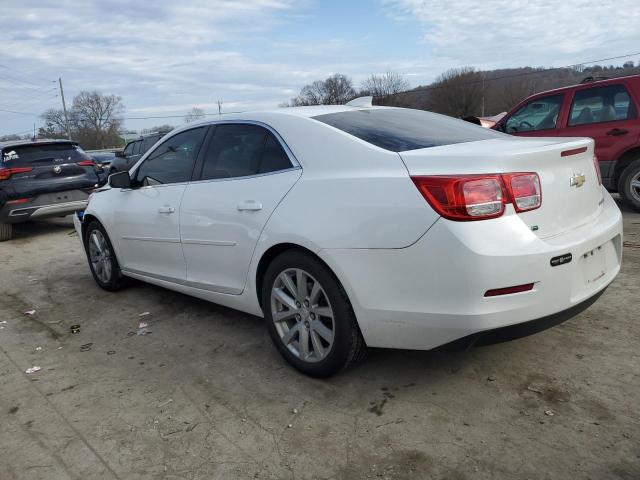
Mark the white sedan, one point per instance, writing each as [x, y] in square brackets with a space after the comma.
[349, 227]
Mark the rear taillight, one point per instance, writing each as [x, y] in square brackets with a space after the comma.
[524, 189]
[85, 163]
[596, 165]
[5, 173]
[480, 197]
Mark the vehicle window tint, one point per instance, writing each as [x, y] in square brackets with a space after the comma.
[274, 157]
[172, 161]
[148, 142]
[136, 148]
[399, 129]
[538, 114]
[601, 104]
[43, 153]
[234, 151]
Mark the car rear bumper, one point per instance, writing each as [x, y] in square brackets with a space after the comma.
[433, 292]
[42, 206]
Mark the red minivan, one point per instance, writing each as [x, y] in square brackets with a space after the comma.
[605, 110]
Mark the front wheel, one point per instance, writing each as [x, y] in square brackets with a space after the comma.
[629, 186]
[309, 316]
[6, 231]
[102, 259]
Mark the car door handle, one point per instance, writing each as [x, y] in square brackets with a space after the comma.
[616, 132]
[250, 205]
[166, 209]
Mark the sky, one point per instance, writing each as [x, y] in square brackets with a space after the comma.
[166, 57]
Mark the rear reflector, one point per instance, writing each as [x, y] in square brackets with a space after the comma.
[508, 290]
[5, 173]
[480, 197]
[85, 163]
[573, 151]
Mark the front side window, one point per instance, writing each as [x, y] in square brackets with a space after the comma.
[136, 148]
[601, 104]
[172, 161]
[239, 150]
[538, 114]
[128, 150]
[148, 142]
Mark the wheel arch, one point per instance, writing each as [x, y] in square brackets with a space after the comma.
[626, 159]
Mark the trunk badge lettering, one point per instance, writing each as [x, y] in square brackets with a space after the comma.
[577, 180]
[561, 259]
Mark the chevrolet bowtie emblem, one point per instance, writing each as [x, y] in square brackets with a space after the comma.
[577, 180]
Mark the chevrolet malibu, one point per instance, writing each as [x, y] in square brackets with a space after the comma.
[349, 227]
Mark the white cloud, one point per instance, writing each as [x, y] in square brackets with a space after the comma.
[499, 33]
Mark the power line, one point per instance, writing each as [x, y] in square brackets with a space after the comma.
[19, 113]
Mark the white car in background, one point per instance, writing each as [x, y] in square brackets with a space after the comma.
[353, 226]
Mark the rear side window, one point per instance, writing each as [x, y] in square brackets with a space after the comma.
[238, 150]
[44, 154]
[601, 104]
[399, 129]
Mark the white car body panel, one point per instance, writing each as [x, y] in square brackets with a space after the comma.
[415, 280]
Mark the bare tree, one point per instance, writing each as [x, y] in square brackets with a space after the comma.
[193, 115]
[390, 83]
[457, 92]
[335, 90]
[96, 118]
[54, 124]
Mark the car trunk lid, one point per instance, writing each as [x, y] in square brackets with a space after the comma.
[571, 192]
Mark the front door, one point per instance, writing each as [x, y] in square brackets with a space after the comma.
[245, 173]
[148, 215]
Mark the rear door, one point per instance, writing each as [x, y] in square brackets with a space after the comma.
[148, 216]
[536, 118]
[48, 168]
[245, 172]
[608, 114]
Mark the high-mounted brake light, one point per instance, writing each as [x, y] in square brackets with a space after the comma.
[480, 197]
[596, 165]
[5, 173]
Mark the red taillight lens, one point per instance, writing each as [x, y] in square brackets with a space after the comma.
[85, 163]
[464, 197]
[596, 165]
[525, 190]
[5, 173]
[480, 197]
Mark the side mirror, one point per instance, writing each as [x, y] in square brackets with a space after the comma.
[119, 153]
[120, 180]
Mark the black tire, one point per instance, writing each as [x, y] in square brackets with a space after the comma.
[348, 346]
[6, 232]
[116, 280]
[630, 195]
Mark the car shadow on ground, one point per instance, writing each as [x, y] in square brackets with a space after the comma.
[23, 231]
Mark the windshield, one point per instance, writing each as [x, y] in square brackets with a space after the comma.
[43, 153]
[400, 129]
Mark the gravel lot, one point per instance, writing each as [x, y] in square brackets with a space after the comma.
[205, 395]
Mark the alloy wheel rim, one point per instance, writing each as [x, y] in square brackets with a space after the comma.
[100, 256]
[635, 186]
[302, 315]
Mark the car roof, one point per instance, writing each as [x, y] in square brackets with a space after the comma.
[43, 141]
[605, 81]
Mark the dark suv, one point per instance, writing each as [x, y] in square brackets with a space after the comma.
[605, 110]
[133, 152]
[45, 178]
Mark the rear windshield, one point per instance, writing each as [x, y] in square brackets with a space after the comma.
[400, 129]
[29, 154]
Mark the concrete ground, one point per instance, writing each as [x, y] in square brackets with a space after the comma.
[205, 395]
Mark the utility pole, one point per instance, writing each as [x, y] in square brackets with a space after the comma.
[219, 107]
[64, 107]
[483, 94]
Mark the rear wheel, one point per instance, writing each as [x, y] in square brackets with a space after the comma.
[102, 259]
[6, 231]
[309, 316]
[629, 186]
